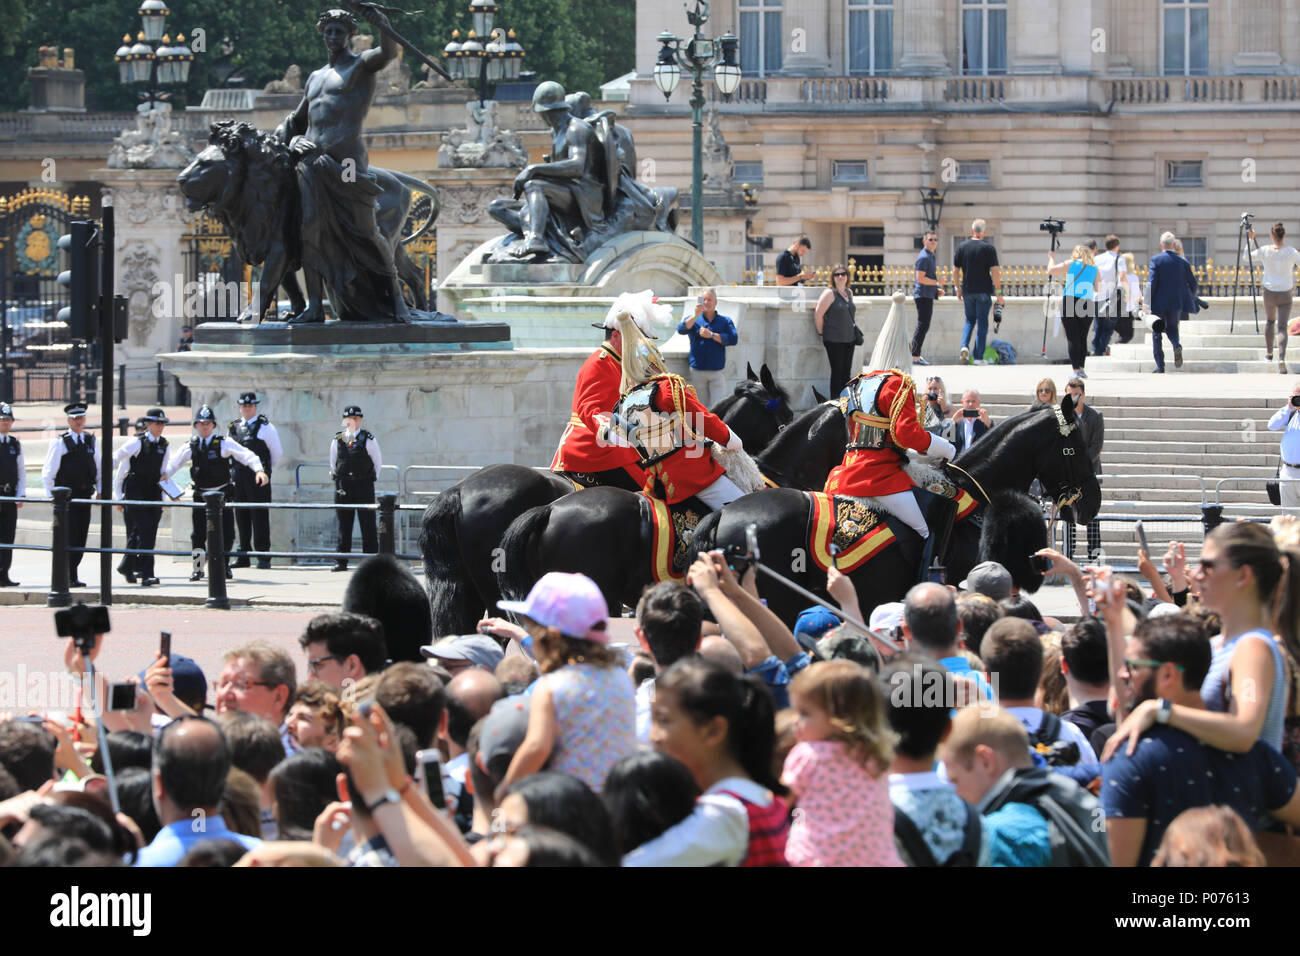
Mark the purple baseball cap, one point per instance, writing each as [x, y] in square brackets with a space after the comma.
[570, 603]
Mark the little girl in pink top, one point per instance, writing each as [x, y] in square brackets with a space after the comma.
[838, 770]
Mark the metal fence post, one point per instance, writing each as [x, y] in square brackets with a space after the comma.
[121, 386]
[387, 524]
[59, 596]
[216, 508]
[162, 397]
[123, 424]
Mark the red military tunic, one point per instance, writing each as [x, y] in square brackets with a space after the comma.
[691, 468]
[595, 393]
[872, 472]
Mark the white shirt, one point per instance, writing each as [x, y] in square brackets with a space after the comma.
[1133, 289]
[122, 460]
[1278, 266]
[21, 490]
[229, 449]
[269, 435]
[54, 457]
[1108, 263]
[1032, 718]
[372, 449]
[1286, 420]
[715, 834]
[645, 699]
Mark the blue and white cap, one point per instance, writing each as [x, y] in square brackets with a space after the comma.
[6, 411]
[204, 414]
[75, 410]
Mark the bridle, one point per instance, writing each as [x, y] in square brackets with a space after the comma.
[1071, 488]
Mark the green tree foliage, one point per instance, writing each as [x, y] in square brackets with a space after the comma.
[580, 43]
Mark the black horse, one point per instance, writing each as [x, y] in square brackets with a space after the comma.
[462, 528]
[1006, 527]
[607, 533]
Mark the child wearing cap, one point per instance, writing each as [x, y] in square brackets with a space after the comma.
[581, 719]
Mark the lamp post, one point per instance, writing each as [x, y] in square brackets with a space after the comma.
[152, 58]
[498, 60]
[932, 207]
[697, 55]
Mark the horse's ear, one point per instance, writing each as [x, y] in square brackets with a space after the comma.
[749, 373]
[1067, 407]
[765, 376]
[818, 397]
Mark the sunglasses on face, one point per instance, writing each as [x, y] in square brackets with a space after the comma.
[1044, 391]
[1134, 665]
[839, 275]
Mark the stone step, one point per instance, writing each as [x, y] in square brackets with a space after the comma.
[1115, 493]
[1173, 443]
[1190, 366]
[1248, 433]
[1183, 466]
[1191, 353]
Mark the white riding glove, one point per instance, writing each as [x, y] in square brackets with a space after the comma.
[941, 447]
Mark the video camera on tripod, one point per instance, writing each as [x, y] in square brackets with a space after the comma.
[1243, 239]
[1053, 226]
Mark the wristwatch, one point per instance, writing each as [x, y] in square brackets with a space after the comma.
[1165, 712]
[390, 796]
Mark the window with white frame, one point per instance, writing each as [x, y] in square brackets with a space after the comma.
[1183, 172]
[871, 37]
[848, 171]
[983, 37]
[747, 172]
[761, 39]
[1185, 36]
[974, 171]
[1195, 250]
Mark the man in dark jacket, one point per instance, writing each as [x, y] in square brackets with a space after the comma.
[1092, 426]
[1172, 293]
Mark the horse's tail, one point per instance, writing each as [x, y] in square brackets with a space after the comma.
[515, 576]
[420, 186]
[452, 597]
[1013, 530]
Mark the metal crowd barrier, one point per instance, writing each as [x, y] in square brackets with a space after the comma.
[215, 504]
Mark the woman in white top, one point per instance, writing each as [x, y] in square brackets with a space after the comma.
[1278, 261]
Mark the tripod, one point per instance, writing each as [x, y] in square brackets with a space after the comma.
[1048, 292]
[1243, 237]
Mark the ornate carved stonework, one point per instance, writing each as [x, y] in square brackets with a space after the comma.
[138, 265]
[150, 204]
[466, 206]
[481, 143]
[153, 144]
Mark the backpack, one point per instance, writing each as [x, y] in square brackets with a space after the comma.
[913, 844]
[1047, 743]
[1004, 352]
[1071, 811]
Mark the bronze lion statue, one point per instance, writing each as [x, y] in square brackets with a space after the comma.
[245, 178]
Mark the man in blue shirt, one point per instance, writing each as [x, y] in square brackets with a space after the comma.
[1170, 771]
[710, 334]
[1286, 421]
[190, 763]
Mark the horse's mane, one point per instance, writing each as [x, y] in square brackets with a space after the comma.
[992, 441]
[256, 214]
[795, 435]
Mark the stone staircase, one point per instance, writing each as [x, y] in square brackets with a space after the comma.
[1215, 344]
[1168, 457]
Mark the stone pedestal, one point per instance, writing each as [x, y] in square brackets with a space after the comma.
[150, 218]
[463, 222]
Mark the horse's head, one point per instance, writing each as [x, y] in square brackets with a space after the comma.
[803, 455]
[1062, 464]
[773, 397]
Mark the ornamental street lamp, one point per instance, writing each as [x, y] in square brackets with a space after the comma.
[696, 56]
[153, 58]
[932, 207]
[498, 59]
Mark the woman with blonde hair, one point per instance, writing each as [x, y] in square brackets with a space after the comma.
[1044, 393]
[1077, 301]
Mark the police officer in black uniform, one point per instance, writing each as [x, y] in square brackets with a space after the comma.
[259, 436]
[13, 484]
[209, 458]
[139, 466]
[73, 462]
[354, 464]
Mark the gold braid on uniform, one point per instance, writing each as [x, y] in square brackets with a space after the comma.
[900, 399]
[677, 390]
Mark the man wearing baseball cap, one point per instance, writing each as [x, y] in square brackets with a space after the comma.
[209, 458]
[73, 462]
[465, 651]
[13, 484]
[990, 579]
[256, 433]
[355, 461]
[140, 465]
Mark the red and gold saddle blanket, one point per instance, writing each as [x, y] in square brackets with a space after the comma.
[672, 527]
[856, 530]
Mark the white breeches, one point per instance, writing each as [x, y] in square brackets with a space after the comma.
[719, 493]
[903, 504]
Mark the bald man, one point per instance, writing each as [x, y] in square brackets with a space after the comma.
[470, 695]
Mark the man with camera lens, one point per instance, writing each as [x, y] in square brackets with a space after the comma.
[1287, 421]
[968, 422]
[978, 280]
